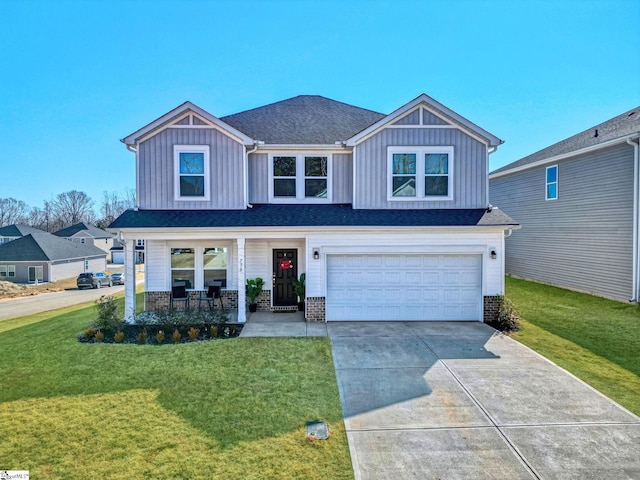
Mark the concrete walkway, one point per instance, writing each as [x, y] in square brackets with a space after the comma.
[448, 400]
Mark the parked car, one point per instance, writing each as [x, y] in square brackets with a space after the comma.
[93, 280]
[117, 278]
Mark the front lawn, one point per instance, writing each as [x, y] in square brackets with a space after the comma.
[597, 340]
[221, 409]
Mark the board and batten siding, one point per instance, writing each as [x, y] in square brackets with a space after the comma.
[469, 168]
[583, 239]
[341, 178]
[155, 182]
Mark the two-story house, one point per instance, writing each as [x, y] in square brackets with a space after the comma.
[88, 234]
[387, 215]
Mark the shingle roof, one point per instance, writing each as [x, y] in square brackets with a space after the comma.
[95, 232]
[17, 230]
[343, 215]
[621, 126]
[43, 246]
[305, 119]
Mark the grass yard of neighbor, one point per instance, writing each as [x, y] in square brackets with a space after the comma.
[596, 339]
[221, 409]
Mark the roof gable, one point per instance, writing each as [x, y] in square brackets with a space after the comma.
[45, 247]
[437, 114]
[82, 229]
[303, 120]
[616, 129]
[186, 115]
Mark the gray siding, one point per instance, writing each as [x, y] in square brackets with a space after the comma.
[156, 169]
[258, 178]
[342, 181]
[469, 168]
[582, 240]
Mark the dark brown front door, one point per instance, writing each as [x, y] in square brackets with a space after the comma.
[285, 270]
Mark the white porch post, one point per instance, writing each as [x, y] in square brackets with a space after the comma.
[130, 283]
[242, 276]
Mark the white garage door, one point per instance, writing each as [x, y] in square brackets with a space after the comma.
[404, 287]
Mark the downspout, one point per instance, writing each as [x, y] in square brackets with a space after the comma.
[133, 149]
[246, 174]
[636, 220]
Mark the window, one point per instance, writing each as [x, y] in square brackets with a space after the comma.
[7, 271]
[420, 173]
[215, 266]
[552, 183]
[83, 240]
[191, 169]
[183, 266]
[300, 178]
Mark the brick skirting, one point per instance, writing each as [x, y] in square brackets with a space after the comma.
[154, 301]
[315, 309]
[491, 306]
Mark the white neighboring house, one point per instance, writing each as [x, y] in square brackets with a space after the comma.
[117, 252]
[387, 214]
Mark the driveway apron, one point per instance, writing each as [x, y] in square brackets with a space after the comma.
[458, 400]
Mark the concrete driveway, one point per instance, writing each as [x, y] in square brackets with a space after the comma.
[450, 400]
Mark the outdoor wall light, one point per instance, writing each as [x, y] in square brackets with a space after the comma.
[316, 254]
[494, 255]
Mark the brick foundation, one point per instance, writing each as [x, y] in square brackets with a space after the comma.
[491, 306]
[154, 301]
[315, 309]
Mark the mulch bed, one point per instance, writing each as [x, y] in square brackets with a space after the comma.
[148, 334]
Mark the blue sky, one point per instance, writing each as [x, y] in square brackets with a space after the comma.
[77, 76]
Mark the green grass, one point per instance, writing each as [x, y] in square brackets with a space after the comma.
[597, 340]
[223, 409]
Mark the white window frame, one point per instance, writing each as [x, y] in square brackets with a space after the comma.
[547, 182]
[7, 271]
[420, 152]
[300, 178]
[198, 268]
[177, 150]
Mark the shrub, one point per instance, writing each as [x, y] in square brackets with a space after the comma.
[175, 338]
[99, 336]
[119, 336]
[507, 319]
[193, 333]
[108, 317]
[89, 333]
[160, 336]
[142, 336]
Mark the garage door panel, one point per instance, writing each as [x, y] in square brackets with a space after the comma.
[404, 287]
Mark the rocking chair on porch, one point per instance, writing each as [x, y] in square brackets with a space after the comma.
[210, 296]
[179, 294]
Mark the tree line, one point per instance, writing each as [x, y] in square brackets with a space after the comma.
[66, 209]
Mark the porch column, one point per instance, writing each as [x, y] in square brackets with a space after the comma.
[242, 278]
[130, 282]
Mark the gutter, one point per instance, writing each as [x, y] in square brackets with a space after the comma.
[636, 219]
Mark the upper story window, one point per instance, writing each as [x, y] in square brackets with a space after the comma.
[191, 170]
[552, 183]
[420, 173]
[300, 178]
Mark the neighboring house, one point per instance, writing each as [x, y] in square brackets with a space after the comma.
[577, 201]
[117, 252]
[43, 257]
[88, 234]
[15, 231]
[387, 215]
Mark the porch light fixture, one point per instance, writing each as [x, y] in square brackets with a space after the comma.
[494, 255]
[316, 254]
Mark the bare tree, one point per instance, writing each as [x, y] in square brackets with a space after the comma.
[13, 211]
[113, 205]
[73, 207]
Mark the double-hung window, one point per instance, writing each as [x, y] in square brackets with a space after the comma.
[197, 266]
[7, 271]
[300, 178]
[552, 183]
[191, 172]
[183, 266]
[420, 173]
[215, 265]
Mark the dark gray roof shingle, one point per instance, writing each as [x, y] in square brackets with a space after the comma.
[45, 247]
[625, 124]
[270, 215]
[303, 120]
[95, 232]
[17, 230]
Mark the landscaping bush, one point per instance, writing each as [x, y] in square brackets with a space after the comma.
[108, 316]
[506, 319]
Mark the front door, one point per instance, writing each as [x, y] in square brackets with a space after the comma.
[285, 270]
